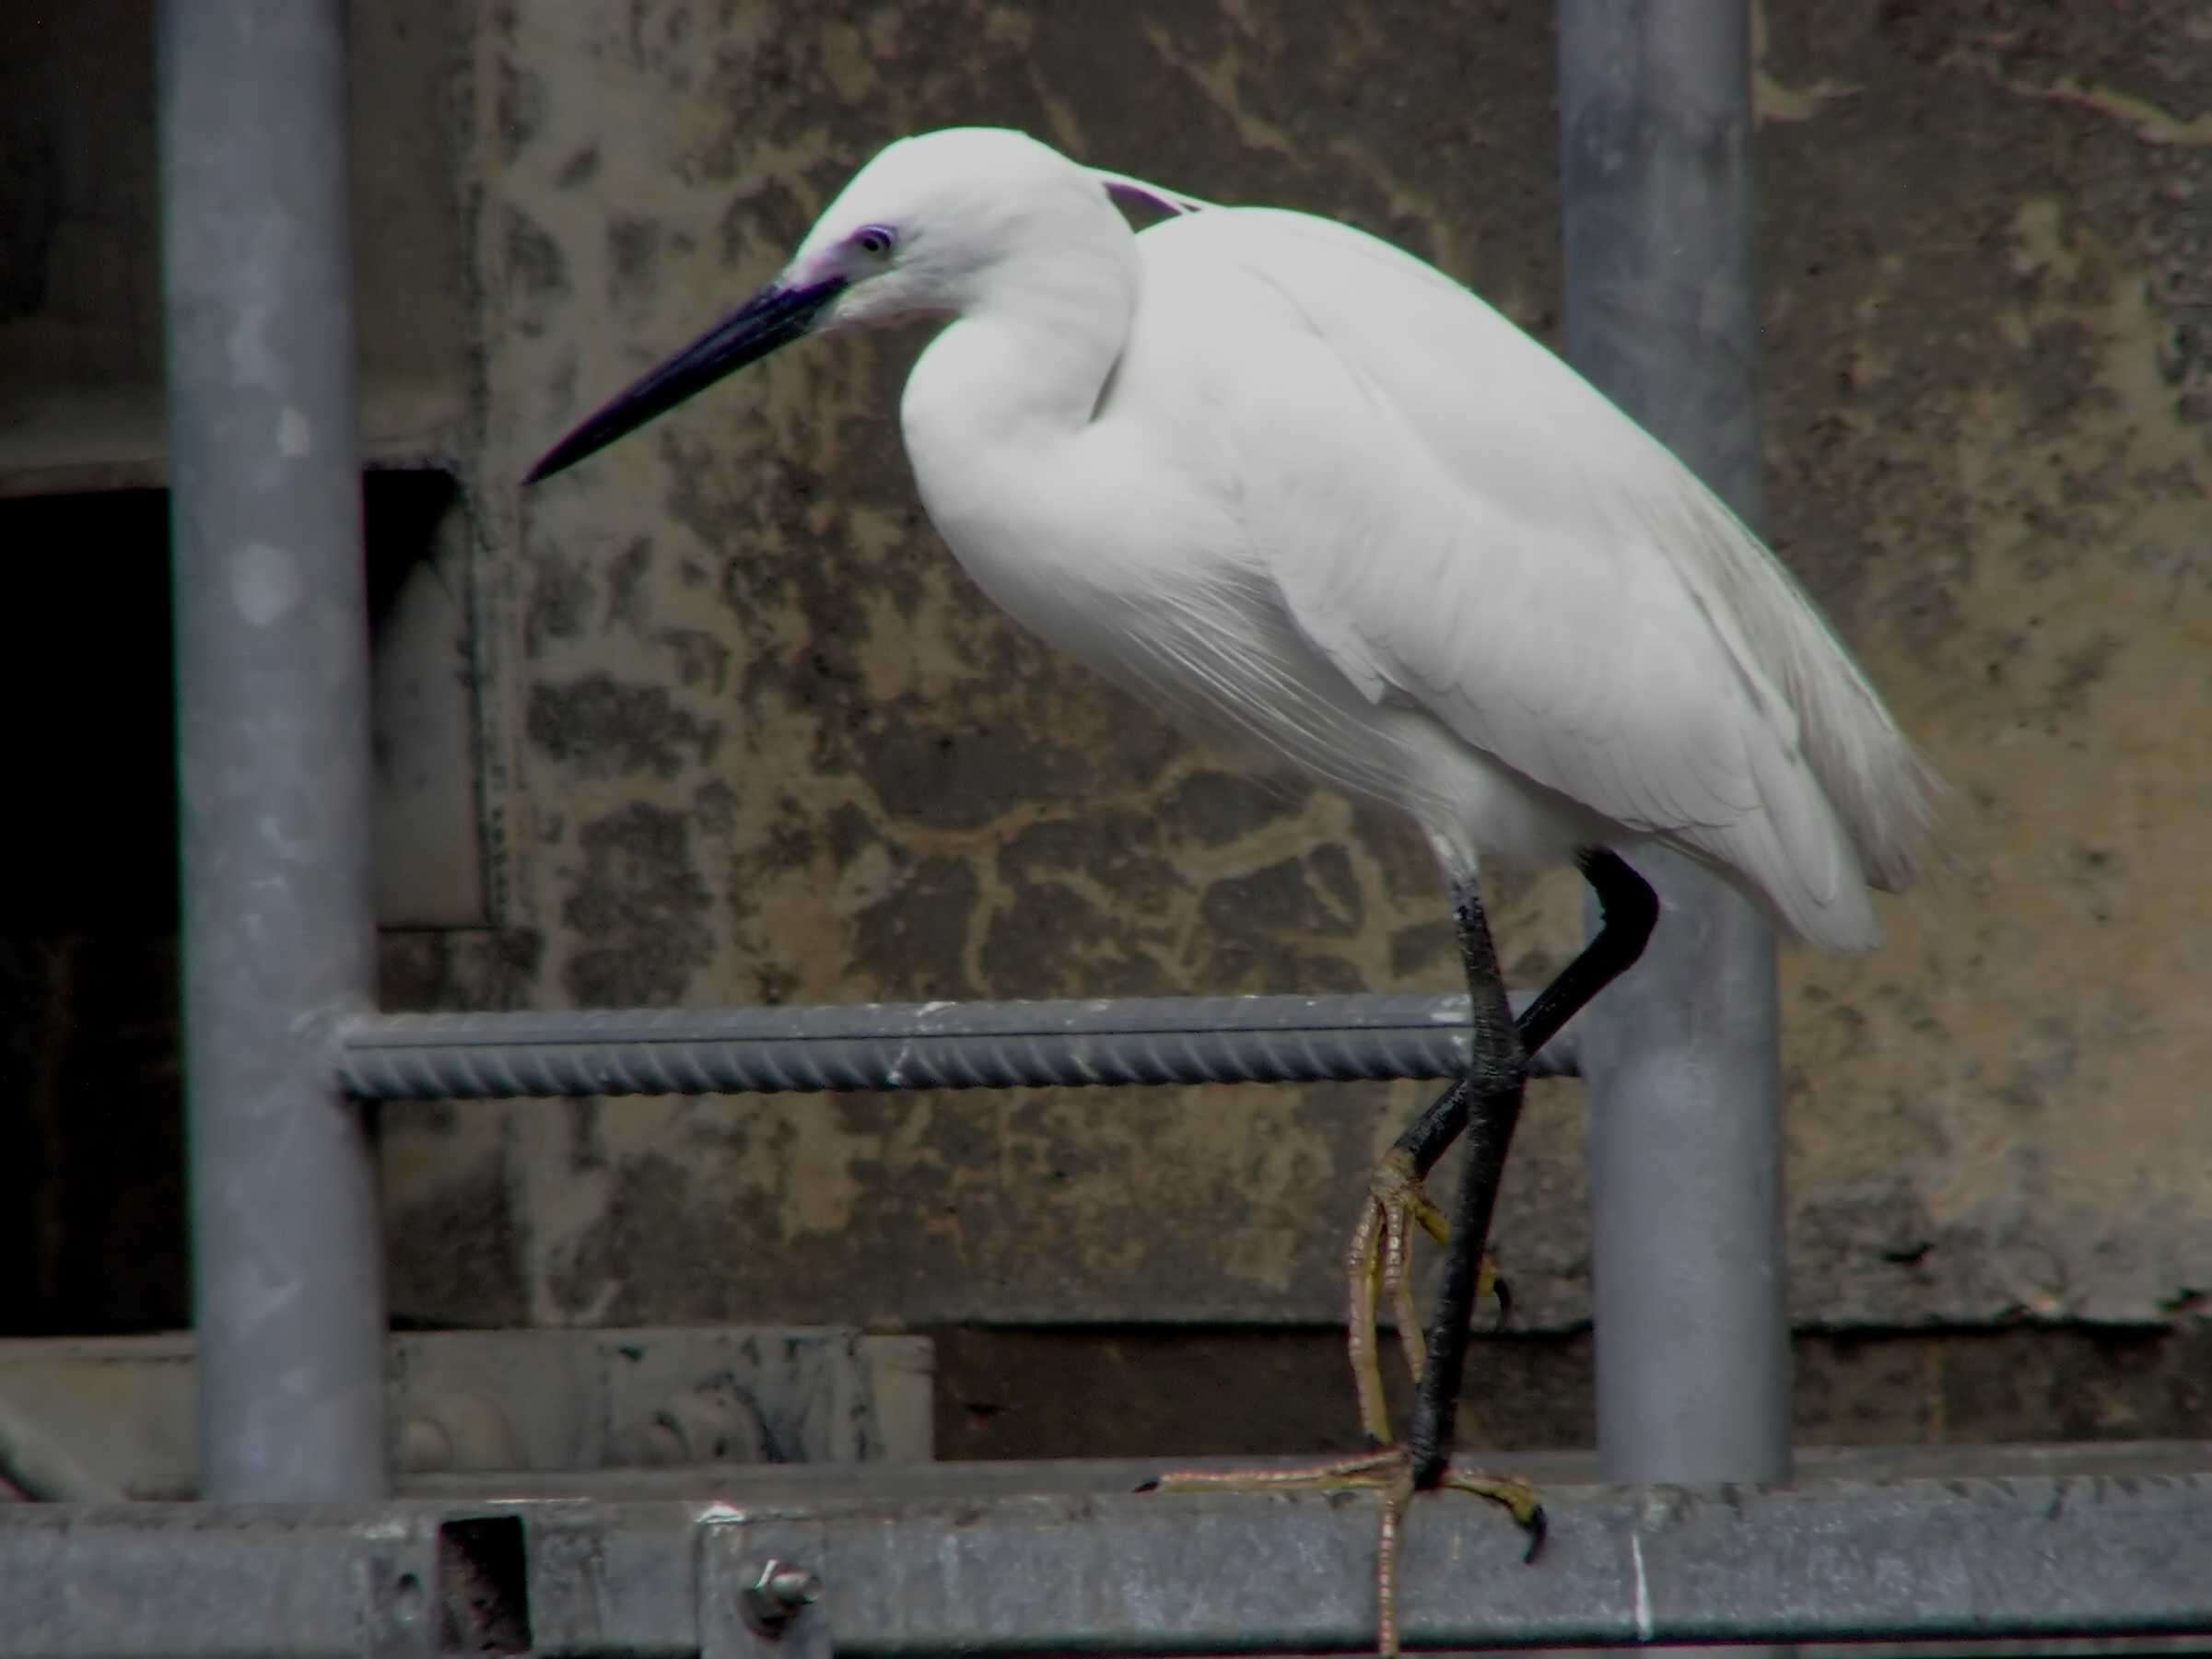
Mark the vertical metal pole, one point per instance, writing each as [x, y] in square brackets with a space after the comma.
[1681, 1054]
[272, 728]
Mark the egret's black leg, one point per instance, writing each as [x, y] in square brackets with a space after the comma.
[1628, 910]
[1488, 1097]
[1378, 1260]
[1487, 1104]
[1497, 1072]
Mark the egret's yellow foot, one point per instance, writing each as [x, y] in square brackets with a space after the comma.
[1379, 1265]
[1389, 1473]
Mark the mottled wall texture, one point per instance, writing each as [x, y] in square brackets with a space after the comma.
[748, 735]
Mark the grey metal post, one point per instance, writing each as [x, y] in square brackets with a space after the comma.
[272, 728]
[1681, 1054]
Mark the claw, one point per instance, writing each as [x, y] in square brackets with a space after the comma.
[1518, 1498]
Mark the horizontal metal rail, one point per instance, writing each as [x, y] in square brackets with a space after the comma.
[2040, 1553]
[915, 1046]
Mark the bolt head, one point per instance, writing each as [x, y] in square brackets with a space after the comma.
[779, 1595]
[792, 1586]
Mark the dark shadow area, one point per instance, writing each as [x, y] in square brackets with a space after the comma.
[1187, 1392]
[483, 1586]
[91, 1099]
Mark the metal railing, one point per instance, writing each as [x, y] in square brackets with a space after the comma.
[2082, 1544]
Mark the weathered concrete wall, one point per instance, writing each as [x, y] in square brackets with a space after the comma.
[1986, 273]
[753, 736]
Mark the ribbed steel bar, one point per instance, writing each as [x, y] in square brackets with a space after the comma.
[913, 1046]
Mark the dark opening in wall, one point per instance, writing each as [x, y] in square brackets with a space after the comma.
[92, 1104]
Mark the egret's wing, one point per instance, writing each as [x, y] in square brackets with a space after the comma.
[1457, 519]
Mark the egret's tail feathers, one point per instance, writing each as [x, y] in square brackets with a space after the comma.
[1818, 880]
[1882, 792]
[1846, 924]
[1795, 861]
[1893, 816]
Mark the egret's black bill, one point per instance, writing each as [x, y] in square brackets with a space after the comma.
[773, 317]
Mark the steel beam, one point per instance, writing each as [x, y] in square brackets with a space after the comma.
[2042, 1553]
[914, 1045]
[272, 731]
[1682, 1053]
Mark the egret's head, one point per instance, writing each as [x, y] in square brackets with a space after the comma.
[923, 230]
[924, 227]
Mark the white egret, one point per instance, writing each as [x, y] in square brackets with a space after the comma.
[1308, 493]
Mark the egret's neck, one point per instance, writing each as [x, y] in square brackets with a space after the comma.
[1026, 361]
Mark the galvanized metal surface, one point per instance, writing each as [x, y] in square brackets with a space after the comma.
[2032, 1554]
[1683, 1054]
[180, 1580]
[915, 1046]
[88, 1419]
[272, 662]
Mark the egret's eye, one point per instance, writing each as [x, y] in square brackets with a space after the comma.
[876, 239]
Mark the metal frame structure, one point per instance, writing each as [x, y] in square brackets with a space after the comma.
[271, 620]
[923, 1565]
[1683, 1057]
[284, 1050]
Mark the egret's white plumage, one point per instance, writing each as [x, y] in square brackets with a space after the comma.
[1295, 483]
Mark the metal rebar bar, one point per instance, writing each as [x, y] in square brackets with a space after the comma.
[272, 731]
[913, 1046]
[1681, 1054]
